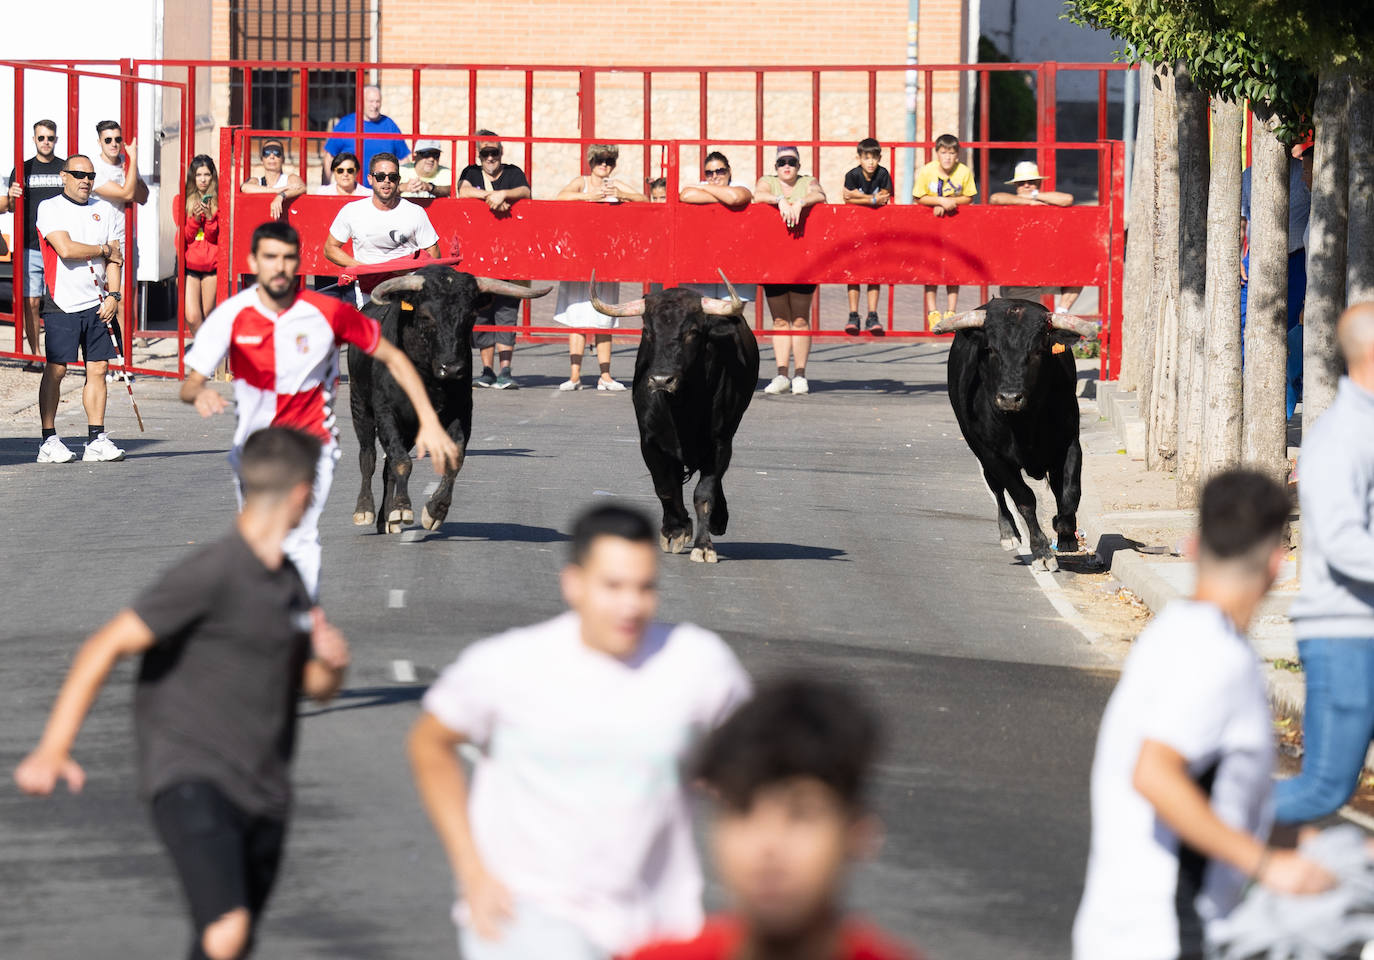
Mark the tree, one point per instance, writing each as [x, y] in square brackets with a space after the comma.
[1359, 271]
[1195, 166]
[1138, 337]
[1161, 312]
[1326, 250]
[1221, 432]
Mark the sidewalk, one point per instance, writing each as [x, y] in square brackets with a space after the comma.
[1131, 518]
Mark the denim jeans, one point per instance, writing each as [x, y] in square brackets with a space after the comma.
[1338, 722]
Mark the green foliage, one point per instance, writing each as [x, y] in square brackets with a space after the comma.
[1225, 60]
[1333, 33]
[1011, 102]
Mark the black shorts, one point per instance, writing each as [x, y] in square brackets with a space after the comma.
[778, 289]
[501, 312]
[226, 858]
[200, 274]
[84, 330]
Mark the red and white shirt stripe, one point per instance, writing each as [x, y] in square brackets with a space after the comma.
[286, 365]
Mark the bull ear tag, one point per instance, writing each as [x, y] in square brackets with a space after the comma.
[1055, 347]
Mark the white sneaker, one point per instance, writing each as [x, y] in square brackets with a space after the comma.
[614, 386]
[799, 385]
[101, 450]
[567, 385]
[54, 450]
[779, 384]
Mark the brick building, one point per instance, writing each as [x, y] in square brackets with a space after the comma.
[566, 33]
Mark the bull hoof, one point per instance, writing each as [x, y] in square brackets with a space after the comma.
[363, 518]
[676, 543]
[407, 516]
[395, 522]
[1008, 544]
[429, 522]
[1048, 564]
[706, 555]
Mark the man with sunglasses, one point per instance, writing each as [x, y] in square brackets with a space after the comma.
[382, 227]
[80, 236]
[274, 179]
[42, 181]
[116, 169]
[718, 185]
[426, 177]
[498, 185]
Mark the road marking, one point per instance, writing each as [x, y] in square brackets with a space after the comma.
[1054, 593]
[402, 671]
[410, 536]
[487, 439]
[396, 599]
[602, 493]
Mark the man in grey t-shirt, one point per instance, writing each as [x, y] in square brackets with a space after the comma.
[227, 637]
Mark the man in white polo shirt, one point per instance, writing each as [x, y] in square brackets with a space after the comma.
[283, 350]
[1182, 801]
[382, 227]
[80, 236]
[576, 840]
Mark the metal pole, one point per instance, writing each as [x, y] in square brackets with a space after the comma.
[907, 173]
[1128, 130]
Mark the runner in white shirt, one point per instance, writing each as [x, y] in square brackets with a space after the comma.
[1181, 791]
[382, 227]
[575, 841]
[112, 182]
[80, 236]
[283, 349]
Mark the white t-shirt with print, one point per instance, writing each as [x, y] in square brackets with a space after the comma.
[379, 234]
[577, 801]
[75, 285]
[1193, 683]
[107, 173]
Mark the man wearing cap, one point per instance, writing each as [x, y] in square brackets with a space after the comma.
[374, 121]
[274, 179]
[426, 176]
[1026, 181]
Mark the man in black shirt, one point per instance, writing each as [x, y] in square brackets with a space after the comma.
[42, 180]
[500, 185]
[868, 184]
[229, 641]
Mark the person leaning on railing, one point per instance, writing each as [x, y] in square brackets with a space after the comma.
[274, 179]
[345, 178]
[1026, 181]
[717, 185]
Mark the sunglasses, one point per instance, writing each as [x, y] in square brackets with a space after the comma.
[387, 177]
[272, 152]
[787, 162]
[52, 139]
[112, 140]
[80, 174]
[490, 153]
[711, 172]
[603, 162]
[427, 155]
[348, 170]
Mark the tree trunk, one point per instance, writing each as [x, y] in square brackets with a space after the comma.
[1161, 315]
[1139, 246]
[1266, 323]
[1221, 429]
[1193, 169]
[1326, 249]
[1359, 252]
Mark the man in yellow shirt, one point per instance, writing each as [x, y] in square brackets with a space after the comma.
[944, 185]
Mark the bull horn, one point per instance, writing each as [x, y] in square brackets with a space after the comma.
[635, 308]
[723, 308]
[1086, 329]
[965, 321]
[384, 291]
[506, 288]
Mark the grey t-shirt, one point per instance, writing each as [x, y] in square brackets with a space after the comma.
[217, 691]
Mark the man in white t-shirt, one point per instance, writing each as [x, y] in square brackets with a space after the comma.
[576, 839]
[116, 168]
[717, 185]
[382, 227]
[80, 236]
[1182, 799]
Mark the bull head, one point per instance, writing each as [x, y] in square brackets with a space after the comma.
[414, 283]
[1086, 329]
[635, 308]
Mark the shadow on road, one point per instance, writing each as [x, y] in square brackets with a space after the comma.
[778, 551]
[360, 698]
[16, 450]
[509, 452]
[497, 532]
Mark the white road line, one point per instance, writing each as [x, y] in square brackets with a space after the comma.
[487, 439]
[402, 671]
[1054, 593]
[396, 599]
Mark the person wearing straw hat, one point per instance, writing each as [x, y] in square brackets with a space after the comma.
[1026, 181]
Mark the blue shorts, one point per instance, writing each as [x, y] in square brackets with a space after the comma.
[66, 332]
[33, 274]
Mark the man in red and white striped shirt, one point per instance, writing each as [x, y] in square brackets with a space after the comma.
[283, 350]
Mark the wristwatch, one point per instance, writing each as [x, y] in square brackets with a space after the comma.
[117, 296]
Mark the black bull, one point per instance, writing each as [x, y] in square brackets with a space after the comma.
[429, 314]
[695, 374]
[1011, 383]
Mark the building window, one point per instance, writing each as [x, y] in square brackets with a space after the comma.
[290, 32]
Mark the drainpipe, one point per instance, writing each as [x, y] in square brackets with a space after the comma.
[975, 18]
[907, 174]
[374, 42]
[1128, 132]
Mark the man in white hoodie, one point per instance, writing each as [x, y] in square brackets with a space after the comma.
[1334, 614]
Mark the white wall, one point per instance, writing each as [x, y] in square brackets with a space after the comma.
[1031, 31]
[131, 29]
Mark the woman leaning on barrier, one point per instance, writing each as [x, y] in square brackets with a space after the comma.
[200, 240]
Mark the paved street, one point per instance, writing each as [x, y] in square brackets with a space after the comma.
[862, 545]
